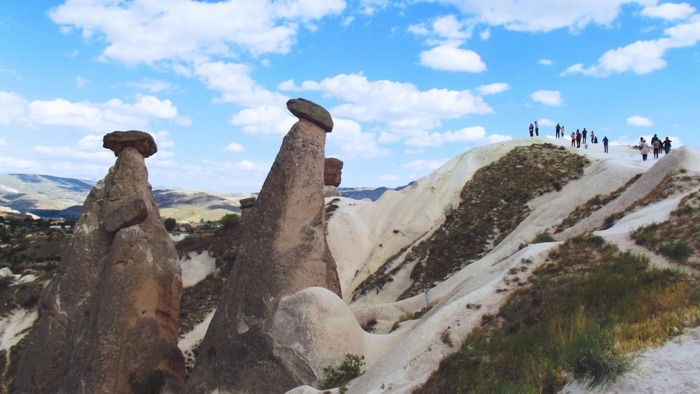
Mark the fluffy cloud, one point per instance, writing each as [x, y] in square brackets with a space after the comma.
[669, 11]
[475, 133]
[541, 15]
[545, 62]
[232, 80]
[111, 115]
[547, 97]
[639, 121]
[154, 85]
[3, 142]
[143, 31]
[353, 143]
[644, 56]
[451, 58]
[234, 147]
[402, 107]
[493, 88]
[264, 120]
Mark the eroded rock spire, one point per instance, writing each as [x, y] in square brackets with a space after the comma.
[109, 317]
[283, 250]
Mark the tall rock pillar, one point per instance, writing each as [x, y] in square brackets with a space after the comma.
[283, 250]
[109, 317]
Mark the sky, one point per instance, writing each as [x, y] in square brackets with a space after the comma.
[410, 83]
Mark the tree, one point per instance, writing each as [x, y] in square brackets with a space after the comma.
[230, 219]
[170, 224]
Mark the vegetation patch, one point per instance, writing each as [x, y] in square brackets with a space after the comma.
[584, 310]
[494, 202]
[340, 375]
[673, 183]
[678, 239]
[598, 201]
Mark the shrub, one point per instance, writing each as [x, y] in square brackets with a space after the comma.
[677, 250]
[339, 376]
[543, 236]
[170, 224]
[230, 219]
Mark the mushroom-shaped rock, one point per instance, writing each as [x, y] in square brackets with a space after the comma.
[305, 109]
[247, 202]
[332, 172]
[116, 141]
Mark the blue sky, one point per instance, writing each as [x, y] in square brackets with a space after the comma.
[410, 84]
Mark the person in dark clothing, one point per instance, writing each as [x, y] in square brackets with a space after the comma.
[583, 134]
[657, 147]
[532, 128]
[537, 129]
[655, 138]
[667, 146]
[605, 144]
[558, 129]
[578, 138]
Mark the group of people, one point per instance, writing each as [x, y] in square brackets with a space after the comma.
[656, 145]
[579, 137]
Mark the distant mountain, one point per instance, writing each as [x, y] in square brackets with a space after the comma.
[360, 193]
[51, 197]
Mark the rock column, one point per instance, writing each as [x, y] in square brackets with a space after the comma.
[109, 317]
[283, 250]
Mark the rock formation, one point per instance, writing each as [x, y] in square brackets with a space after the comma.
[283, 250]
[109, 317]
[332, 172]
[246, 205]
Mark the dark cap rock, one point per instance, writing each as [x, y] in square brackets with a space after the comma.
[247, 202]
[116, 141]
[305, 109]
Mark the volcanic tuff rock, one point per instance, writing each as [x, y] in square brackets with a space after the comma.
[283, 250]
[305, 109]
[333, 170]
[109, 317]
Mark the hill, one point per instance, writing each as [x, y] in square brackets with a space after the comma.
[519, 266]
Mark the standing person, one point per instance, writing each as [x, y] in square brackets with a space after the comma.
[654, 139]
[605, 144]
[667, 146]
[537, 129]
[531, 129]
[656, 144]
[593, 140]
[578, 138]
[584, 135]
[558, 128]
[562, 132]
[573, 139]
[643, 149]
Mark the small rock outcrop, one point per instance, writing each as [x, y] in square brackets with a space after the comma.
[283, 250]
[333, 170]
[109, 317]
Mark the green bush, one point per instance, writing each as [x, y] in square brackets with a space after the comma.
[339, 376]
[677, 250]
[170, 224]
[230, 219]
[543, 236]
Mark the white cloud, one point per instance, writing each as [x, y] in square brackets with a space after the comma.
[163, 139]
[493, 88]
[449, 29]
[545, 62]
[548, 97]
[235, 85]
[669, 11]
[424, 164]
[643, 57]
[264, 120]
[451, 58]
[153, 31]
[369, 7]
[11, 164]
[542, 15]
[353, 143]
[639, 121]
[546, 122]
[400, 106]
[413, 151]
[3, 142]
[71, 153]
[475, 133]
[485, 35]
[103, 117]
[234, 147]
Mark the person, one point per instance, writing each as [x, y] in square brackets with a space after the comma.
[573, 139]
[537, 129]
[656, 144]
[558, 129]
[584, 135]
[667, 146]
[578, 138]
[593, 140]
[531, 129]
[654, 139]
[643, 149]
[605, 144]
[562, 132]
